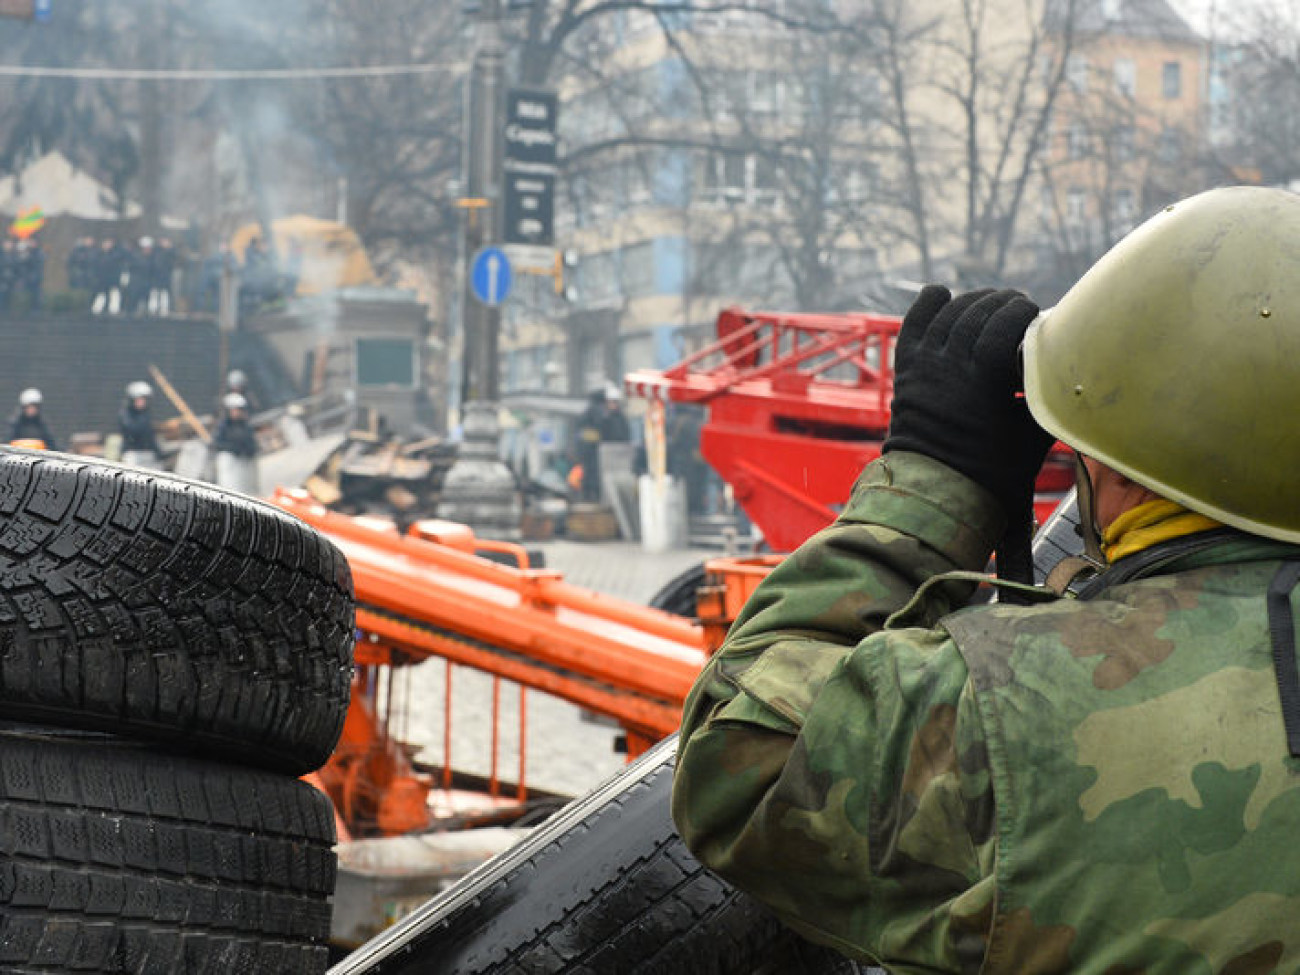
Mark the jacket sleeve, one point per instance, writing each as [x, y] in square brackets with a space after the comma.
[834, 768]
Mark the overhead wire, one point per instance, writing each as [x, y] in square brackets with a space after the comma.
[224, 74]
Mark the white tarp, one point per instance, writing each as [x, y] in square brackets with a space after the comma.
[60, 189]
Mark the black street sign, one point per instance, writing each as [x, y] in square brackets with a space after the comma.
[529, 164]
[530, 208]
[530, 127]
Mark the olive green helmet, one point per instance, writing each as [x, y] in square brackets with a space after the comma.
[1176, 359]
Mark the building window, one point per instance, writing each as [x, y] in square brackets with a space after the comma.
[1126, 77]
[765, 91]
[1172, 79]
[1076, 72]
[596, 277]
[734, 177]
[637, 183]
[762, 181]
[1047, 204]
[386, 362]
[1124, 143]
[1076, 206]
[1077, 141]
[639, 269]
[1169, 148]
[1123, 210]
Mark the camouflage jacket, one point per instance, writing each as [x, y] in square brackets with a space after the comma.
[1085, 786]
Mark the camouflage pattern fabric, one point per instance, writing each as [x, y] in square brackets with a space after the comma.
[1097, 786]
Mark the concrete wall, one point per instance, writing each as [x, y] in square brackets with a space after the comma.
[82, 365]
[331, 325]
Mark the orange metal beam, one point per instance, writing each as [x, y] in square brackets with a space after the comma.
[657, 717]
[628, 661]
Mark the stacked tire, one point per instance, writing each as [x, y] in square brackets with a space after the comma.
[171, 657]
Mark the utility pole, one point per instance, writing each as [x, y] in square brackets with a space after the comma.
[481, 322]
[479, 490]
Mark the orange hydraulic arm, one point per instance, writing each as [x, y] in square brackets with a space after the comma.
[427, 593]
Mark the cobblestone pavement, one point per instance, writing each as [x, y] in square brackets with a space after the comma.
[620, 569]
[566, 752]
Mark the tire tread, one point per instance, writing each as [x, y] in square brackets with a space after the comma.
[146, 604]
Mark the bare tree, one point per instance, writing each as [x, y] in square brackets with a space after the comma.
[1111, 161]
[792, 170]
[970, 90]
[1257, 120]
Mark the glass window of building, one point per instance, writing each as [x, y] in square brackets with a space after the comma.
[1076, 72]
[1123, 210]
[1169, 148]
[1124, 142]
[765, 91]
[1126, 77]
[1171, 76]
[639, 269]
[1077, 140]
[1076, 206]
[386, 362]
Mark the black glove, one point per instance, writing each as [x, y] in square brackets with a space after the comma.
[956, 376]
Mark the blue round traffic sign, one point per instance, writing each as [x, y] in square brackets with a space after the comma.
[490, 276]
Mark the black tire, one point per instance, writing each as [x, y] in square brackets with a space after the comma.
[148, 605]
[604, 886]
[116, 859]
[677, 595]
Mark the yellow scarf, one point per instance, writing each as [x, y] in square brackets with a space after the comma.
[1149, 523]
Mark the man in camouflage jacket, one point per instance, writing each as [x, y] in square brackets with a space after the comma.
[1104, 783]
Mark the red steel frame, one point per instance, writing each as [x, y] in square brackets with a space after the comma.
[797, 406]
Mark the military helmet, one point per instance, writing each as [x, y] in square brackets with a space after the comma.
[1175, 359]
[30, 397]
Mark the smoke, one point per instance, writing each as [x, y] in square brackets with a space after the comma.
[238, 151]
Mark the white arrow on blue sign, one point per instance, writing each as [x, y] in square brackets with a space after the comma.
[490, 276]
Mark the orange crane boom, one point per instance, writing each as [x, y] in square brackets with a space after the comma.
[428, 593]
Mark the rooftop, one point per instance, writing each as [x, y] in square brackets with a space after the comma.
[1154, 19]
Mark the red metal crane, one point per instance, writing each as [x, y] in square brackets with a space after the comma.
[797, 406]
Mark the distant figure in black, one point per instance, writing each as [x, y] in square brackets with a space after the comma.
[139, 271]
[27, 427]
[685, 461]
[161, 269]
[31, 271]
[586, 447]
[235, 443]
[139, 441]
[109, 266]
[81, 263]
[10, 272]
[614, 427]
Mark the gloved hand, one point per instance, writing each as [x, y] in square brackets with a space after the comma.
[956, 376]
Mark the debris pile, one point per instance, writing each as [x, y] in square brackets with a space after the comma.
[387, 476]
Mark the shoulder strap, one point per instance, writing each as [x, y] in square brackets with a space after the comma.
[1281, 629]
[1148, 561]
